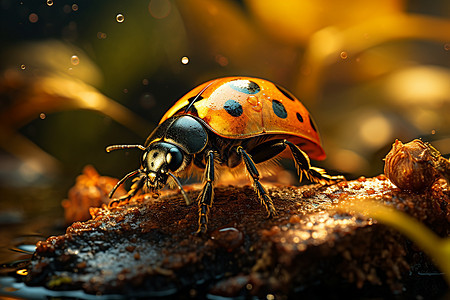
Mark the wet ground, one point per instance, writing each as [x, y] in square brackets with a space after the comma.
[27, 215]
[304, 234]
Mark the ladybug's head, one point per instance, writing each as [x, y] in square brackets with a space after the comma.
[158, 161]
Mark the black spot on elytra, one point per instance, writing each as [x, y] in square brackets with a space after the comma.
[299, 117]
[192, 100]
[285, 92]
[195, 99]
[312, 124]
[234, 108]
[245, 86]
[278, 109]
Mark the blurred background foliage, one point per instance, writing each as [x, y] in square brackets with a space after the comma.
[76, 76]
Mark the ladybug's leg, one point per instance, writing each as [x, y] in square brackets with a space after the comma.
[303, 165]
[260, 190]
[272, 148]
[133, 190]
[206, 196]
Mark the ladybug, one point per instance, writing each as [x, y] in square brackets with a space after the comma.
[231, 122]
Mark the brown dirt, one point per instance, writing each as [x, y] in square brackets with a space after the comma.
[147, 246]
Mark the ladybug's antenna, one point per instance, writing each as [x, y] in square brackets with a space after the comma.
[180, 187]
[119, 183]
[196, 97]
[117, 147]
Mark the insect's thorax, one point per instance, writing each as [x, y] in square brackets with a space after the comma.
[186, 132]
[226, 148]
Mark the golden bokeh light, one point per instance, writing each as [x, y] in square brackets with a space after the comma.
[22, 272]
[426, 86]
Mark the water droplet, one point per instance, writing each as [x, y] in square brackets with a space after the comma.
[49, 2]
[101, 35]
[74, 60]
[447, 46]
[221, 60]
[23, 67]
[74, 7]
[120, 18]
[42, 116]
[125, 91]
[229, 237]
[185, 60]
[344, 55]
[253, 100]
[24, 248]
[433, 131]
[33, 18]
[145, 81]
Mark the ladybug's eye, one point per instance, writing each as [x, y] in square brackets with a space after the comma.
[174, 159]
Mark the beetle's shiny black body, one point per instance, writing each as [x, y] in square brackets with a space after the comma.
[184, 141]
[184, 131]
